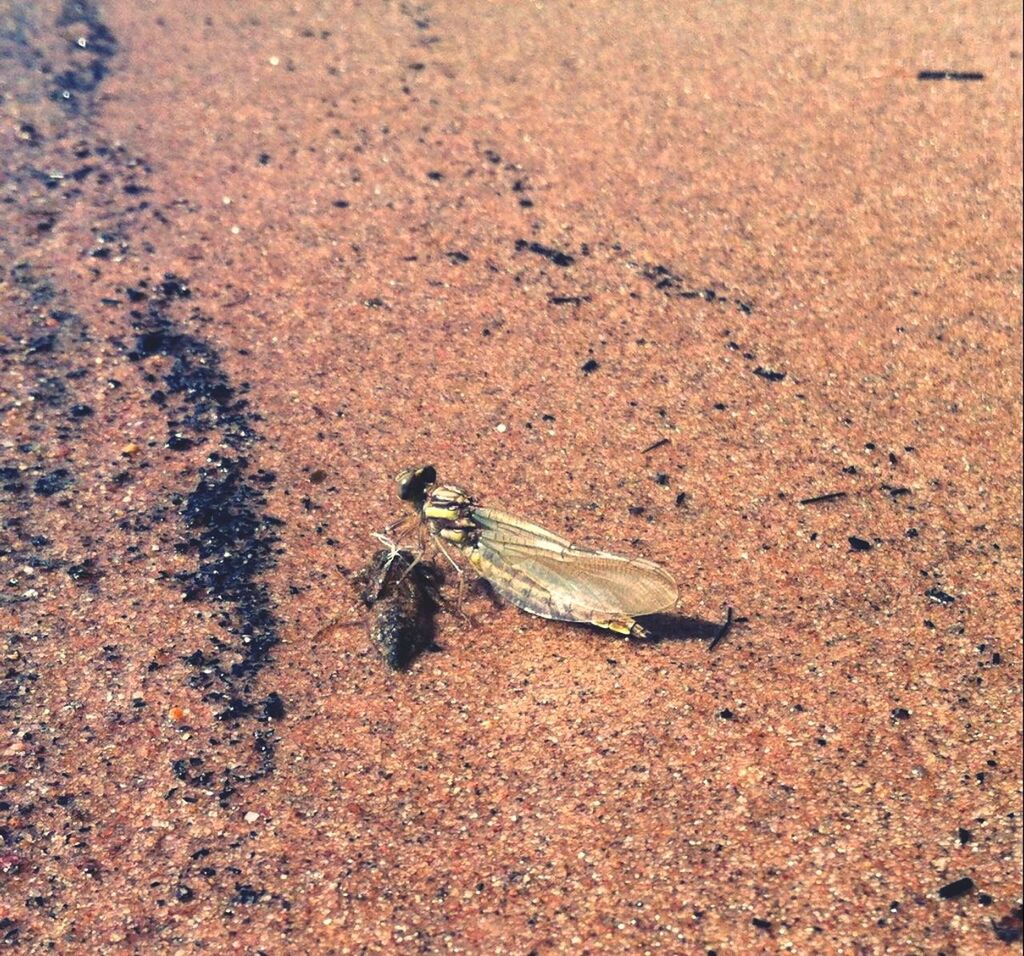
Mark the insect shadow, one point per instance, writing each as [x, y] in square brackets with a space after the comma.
[662, 627]
[680, 627]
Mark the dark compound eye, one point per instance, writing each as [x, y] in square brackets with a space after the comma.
[413, 482]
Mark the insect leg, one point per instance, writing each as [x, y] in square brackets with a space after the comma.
[625, 626]
[462, 580]
[451, 560]
[723, 630]
[399, 523]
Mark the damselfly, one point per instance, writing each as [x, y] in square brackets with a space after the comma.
[535, 569]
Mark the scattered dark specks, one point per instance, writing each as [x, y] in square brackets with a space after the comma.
[660, 443]
[174, 287]
[726, 714]
[29, 134]
[179, 443]
[246, 894]
[41, 344]
[492, 156]
[968, 76]
[375, 303]
[637, 510]
[912, 532]
[939, 596]
[263, 159]
[236, 708]
[435, 175]
[80, 411]
[956, 889]
[589, 366]
[456, 257]
[184, 894]
[661, 478]
[859, 544]
[682, 499]
[55, 481]
[761, 924]
[84, 572]
[899, 713]
[317, 477]
[964, 836]
[559, 258]
[897, 491]
[341, 204]
[768, 374]
[568, 299]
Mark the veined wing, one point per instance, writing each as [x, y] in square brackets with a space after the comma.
[548, 576]
[499, 527]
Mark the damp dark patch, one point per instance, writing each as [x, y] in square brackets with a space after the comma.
[227, 529]
[90, 48]
[209, 400]
[49, 484]
[556, 256]
[233, 541]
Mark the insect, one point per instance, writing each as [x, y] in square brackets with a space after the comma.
[402, 592]
[533, 568]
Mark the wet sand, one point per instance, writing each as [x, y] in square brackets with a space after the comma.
[259, 258]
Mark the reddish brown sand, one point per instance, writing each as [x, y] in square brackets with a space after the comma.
[525, 242]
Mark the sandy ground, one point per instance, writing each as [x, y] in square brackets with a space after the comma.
[259, 257]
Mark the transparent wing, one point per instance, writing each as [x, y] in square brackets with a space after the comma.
[546, 575]
[501, 527]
